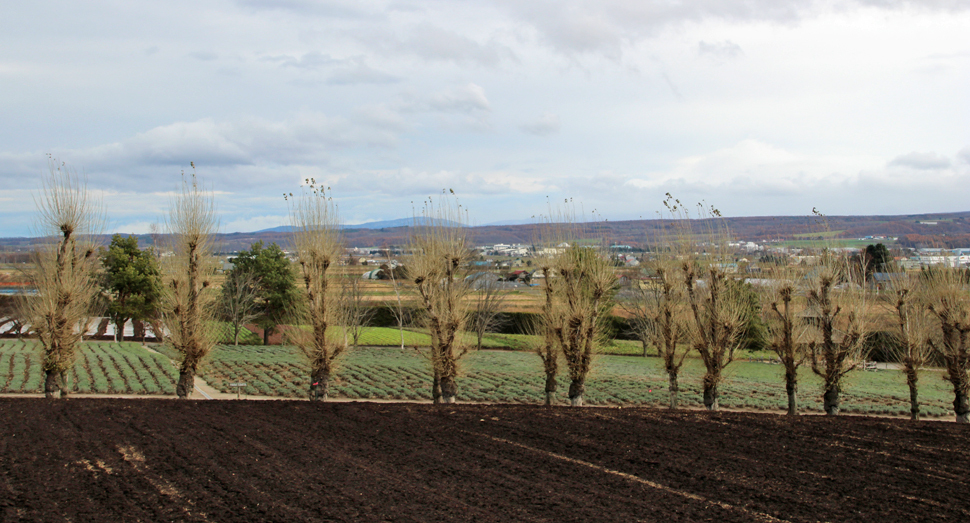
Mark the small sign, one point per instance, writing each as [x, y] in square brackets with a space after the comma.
[237, 386]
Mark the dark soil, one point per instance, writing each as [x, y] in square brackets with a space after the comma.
[166, 460]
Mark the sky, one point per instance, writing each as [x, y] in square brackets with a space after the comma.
[755, 107]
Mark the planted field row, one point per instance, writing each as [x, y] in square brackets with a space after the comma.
[101, 367]
[516, 377]
[391, 337]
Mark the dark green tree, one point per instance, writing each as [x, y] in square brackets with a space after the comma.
[276, 287]
[132, 282]
[877, 259]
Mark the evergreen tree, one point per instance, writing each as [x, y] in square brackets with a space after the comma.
[275, 283]
[132, 282]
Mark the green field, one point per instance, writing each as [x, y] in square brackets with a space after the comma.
[822, 234]
[391, 337]
[487, 376]
[102, 367]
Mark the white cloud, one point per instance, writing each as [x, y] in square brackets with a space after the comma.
[924, 161]
[434, 43]
[204, 56]
[309, 60]
[719, 51]
[546, 124]
[361, 74]
[468, 98]
[326, 8]
[814, 102]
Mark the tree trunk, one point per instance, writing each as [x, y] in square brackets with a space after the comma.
[266, 336]
[912, 380]
[63, 383]
[52, 384]
[791, 387]
[710, 397]
[550, 388]
[674, 389]
[102, 327]
[576, 390]
[186, 383]
[235, 334]
[961, 407]
[436, 389]
[831, 402]
[138, 328]
[644, 342]
[320, 385]
[449, 389]
[120, 330]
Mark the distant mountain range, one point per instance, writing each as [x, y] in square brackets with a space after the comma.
[914, 230]
[386, 224]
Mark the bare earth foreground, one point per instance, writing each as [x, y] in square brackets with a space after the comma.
[163, 460]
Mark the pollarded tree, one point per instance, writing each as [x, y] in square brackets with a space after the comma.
[63, 276]
[718, 303]
[718, 311]
[782, 302]
[132, 282]
[316, 239]
[188, 300]
[947, 298]
[275, 289]
[438, 262]
[548, 348]
[838, 313]
[666, 321]
[580, 284]
[912, 322]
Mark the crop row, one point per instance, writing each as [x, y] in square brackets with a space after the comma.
[101, 367]
[516, 377]
[487, 376]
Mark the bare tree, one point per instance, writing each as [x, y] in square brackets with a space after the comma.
[719, 318]
[665, 323]
[948, 301]
[316, 238]
[634, 302]
[237, 304]
[579, 282]
[489, 300]
[438, 260]
[718, 309]
[912, 323]
[188, 299]
[838, 311]
[784, 329]
[64, 276]
[399, 309]
[548, 349]
[357, 312]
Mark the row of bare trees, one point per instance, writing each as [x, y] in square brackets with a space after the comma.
[820, 314]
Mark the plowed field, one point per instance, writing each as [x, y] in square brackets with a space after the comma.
[166, 460]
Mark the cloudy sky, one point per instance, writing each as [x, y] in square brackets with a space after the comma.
[758, 107]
